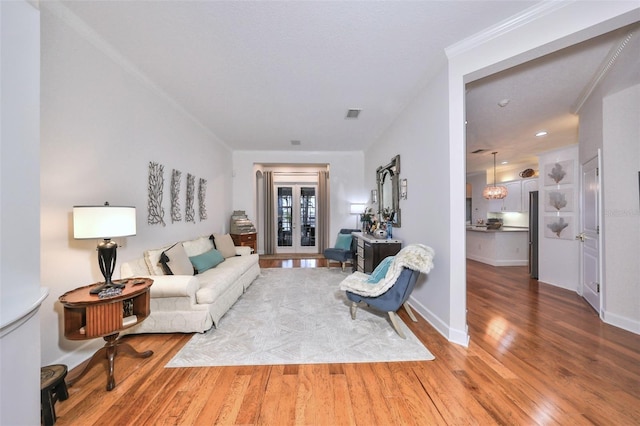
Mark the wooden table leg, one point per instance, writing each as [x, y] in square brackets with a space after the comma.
[109, 351]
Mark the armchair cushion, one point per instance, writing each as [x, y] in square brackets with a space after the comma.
[343, 242]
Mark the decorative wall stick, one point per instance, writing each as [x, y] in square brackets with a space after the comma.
[202, 194]
[190, 213]
[176, 215]
[156, 184]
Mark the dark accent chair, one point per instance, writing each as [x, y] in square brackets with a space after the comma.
[341, 255]
[391, 300]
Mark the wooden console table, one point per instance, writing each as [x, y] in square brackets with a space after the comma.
[86, 316]
[246, 240]
[370, 251]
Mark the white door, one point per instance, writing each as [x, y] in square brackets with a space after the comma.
[296, 218]
[589, 235]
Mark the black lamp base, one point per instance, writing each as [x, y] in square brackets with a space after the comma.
[107, 251]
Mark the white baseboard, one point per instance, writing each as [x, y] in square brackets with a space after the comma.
[460, 337]
[494, 262]
[629, 324]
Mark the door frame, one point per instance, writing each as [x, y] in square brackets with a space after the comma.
[295, 247]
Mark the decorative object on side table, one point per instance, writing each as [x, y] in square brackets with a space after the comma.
[104, 222]
[86, 316]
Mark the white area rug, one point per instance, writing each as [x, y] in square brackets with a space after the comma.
[298, 316]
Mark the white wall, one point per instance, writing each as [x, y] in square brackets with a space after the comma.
[609, 121]
[621, 218]
[101, 126]
[20, 292]
[345, 174]
[419, 136]
[559, 258]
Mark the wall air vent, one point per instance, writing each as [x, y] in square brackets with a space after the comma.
[353, 113]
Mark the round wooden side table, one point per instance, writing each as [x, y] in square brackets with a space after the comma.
[87, 316]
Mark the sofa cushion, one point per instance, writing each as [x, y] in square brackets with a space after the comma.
[224, 243]
[197, 246]
[216, 281]
[152, 259]
[175, 261]
[207, 260]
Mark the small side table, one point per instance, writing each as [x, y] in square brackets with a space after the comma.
[86, 316]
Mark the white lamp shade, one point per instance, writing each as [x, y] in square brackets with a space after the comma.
[103, 222]
[357, 208]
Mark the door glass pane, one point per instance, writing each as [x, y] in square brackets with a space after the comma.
[285, 210]
[307, 216]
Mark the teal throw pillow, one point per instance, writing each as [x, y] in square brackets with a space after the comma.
[343, 242]
[381, 270]
[206, 260]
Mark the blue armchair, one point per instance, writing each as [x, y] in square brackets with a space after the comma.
[343, 250]
[391, 300]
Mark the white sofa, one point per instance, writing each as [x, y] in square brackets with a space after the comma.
[192, 303]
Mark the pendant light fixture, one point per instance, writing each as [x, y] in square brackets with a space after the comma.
[494, 192]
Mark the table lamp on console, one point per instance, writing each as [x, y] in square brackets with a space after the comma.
[104, 222]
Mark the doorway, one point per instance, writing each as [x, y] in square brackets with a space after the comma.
[295, 215]
[589, 235]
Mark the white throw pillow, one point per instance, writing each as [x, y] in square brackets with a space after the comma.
[198, 246]
[175, 261]
[152, 259]
[224, 244]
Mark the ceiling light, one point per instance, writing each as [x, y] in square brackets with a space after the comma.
[505, 162]
[503, 103]
[541, 133]
[493, 192]
[353, 113]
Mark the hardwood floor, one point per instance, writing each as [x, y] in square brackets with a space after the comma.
[538, 355]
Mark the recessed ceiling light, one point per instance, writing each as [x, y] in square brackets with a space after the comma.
[505, 162]
[541, 133]
[353, 113]
[503, 103]
[295, 142]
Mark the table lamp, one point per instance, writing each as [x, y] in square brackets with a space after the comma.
[105, 222]
[357, 209]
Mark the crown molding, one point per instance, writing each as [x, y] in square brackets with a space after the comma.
[501, 28]
[602, 71]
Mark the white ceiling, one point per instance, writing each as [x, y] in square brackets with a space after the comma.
[261, 74]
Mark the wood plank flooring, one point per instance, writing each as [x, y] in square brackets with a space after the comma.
[538, 355]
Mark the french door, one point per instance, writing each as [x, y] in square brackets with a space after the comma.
[296, 218]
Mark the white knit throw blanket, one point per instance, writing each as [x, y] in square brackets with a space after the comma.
[417, 257]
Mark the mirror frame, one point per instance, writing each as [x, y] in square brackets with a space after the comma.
[393, 168]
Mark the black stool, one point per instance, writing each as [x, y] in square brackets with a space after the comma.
[52, 389]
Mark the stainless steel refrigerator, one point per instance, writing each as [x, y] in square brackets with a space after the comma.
[533, 234]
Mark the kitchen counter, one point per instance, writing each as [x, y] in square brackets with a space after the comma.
[507, 246]
[502, 229]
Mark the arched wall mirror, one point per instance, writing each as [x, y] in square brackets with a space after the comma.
[388, 181]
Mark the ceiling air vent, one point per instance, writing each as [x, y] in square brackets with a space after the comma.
[478, 151]
[353, 113]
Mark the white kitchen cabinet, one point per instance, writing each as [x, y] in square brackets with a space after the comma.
[517, 199]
